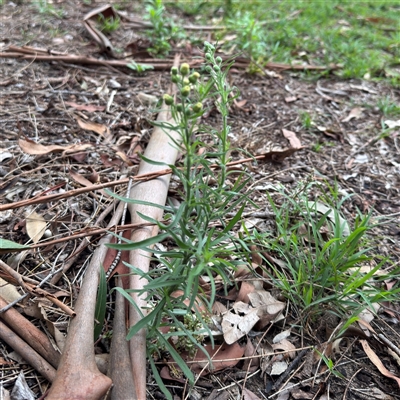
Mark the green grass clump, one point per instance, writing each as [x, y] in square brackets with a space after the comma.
[359, 37]
[320, 255]
[109, 24]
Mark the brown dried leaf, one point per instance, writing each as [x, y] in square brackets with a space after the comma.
[85, 107]
[293, 139]
[8, 292]
[218, 308]
[30, 147]
[285, 345]
[239, 323]
[377, 362]
[252, 359]
[249, 395]
[245, 289]
[101, 129]
[35, 226]
[224, 356]
[354, 113]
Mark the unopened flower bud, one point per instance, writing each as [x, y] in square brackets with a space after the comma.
[185, 69]
[179, 107]
[185, 81]
[194, 77]
[174, 71]
[208, 69]
[168, 100]
[218, 60]
[174, 79]
[208, 56]
[208, 46]
[197, 107]
[216, 68]
[185, 91]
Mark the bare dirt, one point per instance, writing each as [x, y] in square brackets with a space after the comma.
[341, 142]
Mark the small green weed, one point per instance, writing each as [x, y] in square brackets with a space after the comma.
[140, 68]
[306, 119]
[109, 24]
[163, 31]
[44, 7]
[321, 256]
[389, 107]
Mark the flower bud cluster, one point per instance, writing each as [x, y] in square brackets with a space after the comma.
[186, 81]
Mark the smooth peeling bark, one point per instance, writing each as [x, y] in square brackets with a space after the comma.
[78, 376]
[120, 369]
[161, 149]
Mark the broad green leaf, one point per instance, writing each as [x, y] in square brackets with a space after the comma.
[8, 245]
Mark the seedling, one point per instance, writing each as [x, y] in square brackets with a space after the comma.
[109, 24]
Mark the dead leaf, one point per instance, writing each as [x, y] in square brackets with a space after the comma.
[107, 11]
[278, 368]
[281, 336]
[237, 323]
[392, 124]
[218, 308]
[30, 147]
[354, 113]
[245, 289]
[249, 395]
[8, 292]
[377, 362]
[101, 129]
[85, 107]
[293, 139]
[35, 226]
[224, 356]
[251, 357]
[285, 345]
[290, 99]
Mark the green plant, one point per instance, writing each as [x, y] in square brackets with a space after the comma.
[203, 240]
[140, 68]
[109, 24]
[388, 106]
[317, 147]
[321, 256]
[306, 119]
[44, 7]
[163, 30]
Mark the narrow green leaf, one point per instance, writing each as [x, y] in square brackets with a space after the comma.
[143, 244]
[101, 303]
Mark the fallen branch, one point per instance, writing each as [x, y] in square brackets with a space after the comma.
[78, 376]
[32, 335]
[32, 54]
[26, 351]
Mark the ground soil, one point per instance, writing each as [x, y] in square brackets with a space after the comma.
[342, 144]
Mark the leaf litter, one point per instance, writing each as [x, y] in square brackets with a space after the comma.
[374, 180]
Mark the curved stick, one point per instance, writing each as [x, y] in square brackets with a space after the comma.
[30, 355]
[78, 376]
[32, 335]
